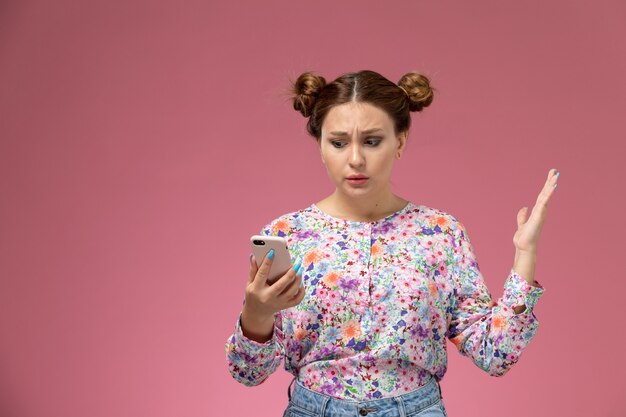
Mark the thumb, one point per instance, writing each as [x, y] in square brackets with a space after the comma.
[522, 216]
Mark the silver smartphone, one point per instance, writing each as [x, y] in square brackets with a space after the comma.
[281, 262]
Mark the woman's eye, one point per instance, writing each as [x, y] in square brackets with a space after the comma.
[373, 141]
[337, 144]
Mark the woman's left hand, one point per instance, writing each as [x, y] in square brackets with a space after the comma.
[528, 229]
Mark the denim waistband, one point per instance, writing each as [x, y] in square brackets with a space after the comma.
[318, 404]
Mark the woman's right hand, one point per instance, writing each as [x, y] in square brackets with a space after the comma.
[263, 300]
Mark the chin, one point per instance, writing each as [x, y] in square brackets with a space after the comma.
[361, 192]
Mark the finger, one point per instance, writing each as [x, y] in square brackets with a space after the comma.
[298, 298]
[264, 269]
[548, 188]
[292, 288]
[553, 177]
[553, 173]
[253, 269]
[284, 281]
[294, 294]
[280, 286]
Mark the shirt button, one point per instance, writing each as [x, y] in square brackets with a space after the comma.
[363, 411]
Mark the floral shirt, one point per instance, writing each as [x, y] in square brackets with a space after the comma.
[381, 299]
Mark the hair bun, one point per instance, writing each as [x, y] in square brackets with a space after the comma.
[305, 91]
[417, 87]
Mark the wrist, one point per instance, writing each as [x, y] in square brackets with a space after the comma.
[257, 327]
[524, 265]
[526, 252]
[256, 319]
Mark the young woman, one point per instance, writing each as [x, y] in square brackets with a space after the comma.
[379, 282]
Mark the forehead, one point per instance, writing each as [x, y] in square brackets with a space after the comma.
[356, 116]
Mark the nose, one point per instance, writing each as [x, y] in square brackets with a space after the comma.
[356, 157]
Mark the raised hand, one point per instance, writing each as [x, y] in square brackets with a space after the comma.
[529, 227]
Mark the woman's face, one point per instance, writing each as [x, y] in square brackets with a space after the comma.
[358, 141]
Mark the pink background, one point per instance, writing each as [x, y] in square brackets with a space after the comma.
[143, 142]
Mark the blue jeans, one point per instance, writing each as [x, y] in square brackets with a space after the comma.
[425, 401]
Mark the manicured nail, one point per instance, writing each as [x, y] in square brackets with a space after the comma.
[297, 266]
[557, 175]
[301, 270]
[555, 186]
[250, 259]
[271, 254]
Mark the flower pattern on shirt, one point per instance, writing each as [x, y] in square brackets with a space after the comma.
[381, 299]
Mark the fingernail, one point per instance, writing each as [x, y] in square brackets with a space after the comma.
[555, 186]
[250, 259]
[271, 254]
[557, 174]
[296, 267]
[301, 270]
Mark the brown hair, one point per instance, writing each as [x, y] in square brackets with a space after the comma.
[314, 98]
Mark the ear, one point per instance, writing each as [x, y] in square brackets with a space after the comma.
[402, 139]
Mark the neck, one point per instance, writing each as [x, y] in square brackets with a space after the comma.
[362, 209]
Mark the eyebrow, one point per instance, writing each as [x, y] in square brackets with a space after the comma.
[365, 132]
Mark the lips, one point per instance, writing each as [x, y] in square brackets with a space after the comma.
[357, 180]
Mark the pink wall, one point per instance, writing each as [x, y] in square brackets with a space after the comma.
[142, 142]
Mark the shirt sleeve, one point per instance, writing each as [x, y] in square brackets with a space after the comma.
[489, 332]
[251, 362]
